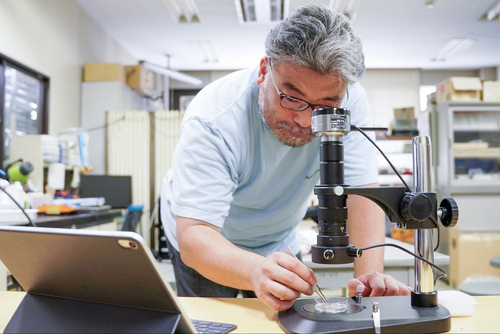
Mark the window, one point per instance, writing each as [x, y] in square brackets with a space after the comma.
[23, 103]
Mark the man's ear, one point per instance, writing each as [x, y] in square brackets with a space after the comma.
[262, 71]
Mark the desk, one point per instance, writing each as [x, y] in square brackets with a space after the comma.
[252, 316]
[78, 220]
[397, 263]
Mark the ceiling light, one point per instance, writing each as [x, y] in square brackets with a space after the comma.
[261, 11]
[183, 11]
[171, 73]
[454, 47]
[492, 14]
[205, 50]
[349, 8]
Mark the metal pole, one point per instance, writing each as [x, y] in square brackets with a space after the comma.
[424, 277]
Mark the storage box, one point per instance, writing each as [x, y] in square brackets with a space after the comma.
[463, 89]
[404, 113]
[140, 79]
[103, 72]
[491, 91]
[470, 254]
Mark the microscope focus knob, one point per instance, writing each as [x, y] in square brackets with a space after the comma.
[416, 207]
[448, 212]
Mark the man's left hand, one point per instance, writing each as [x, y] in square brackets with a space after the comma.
[377, 284]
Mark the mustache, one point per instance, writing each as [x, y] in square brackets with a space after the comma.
[297, 129]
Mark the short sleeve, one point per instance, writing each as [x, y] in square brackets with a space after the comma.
[205, 177]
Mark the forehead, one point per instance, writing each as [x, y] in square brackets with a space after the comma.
[308, 81]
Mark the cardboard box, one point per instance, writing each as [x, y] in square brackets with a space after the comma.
[491, 91]
[463, 89]
[103, 72]
[140, 79]
[404, 113]
[470, 254]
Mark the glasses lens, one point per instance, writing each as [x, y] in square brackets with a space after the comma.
[293, 104]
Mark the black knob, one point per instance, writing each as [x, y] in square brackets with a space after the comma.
[416, 207]
[449, 212]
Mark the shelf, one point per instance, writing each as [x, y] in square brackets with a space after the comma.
[468, 148]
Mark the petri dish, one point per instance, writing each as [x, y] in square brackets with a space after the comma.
[337, 305]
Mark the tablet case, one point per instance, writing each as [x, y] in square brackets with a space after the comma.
[88, 281]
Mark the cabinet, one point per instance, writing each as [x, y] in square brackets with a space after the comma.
[469, 148]
[468, 169]
[398, 150]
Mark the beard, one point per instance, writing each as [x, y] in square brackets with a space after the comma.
[280, 128]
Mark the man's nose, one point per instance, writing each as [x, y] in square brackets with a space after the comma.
[303, 118]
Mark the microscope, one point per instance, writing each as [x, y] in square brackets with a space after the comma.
[416, 210]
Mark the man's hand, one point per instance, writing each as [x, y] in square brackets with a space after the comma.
[280, 279]
[377, 284]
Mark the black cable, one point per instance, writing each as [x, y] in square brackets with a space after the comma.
[407, 251]
[383, 154]
[20, 207]
[104, 126]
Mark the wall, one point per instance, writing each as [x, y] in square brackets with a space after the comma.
[386, 88]
[389, 89]
[56, 38]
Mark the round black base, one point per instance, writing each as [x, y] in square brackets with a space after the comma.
[396, 316]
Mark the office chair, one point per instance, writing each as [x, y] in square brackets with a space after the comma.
[132, 217]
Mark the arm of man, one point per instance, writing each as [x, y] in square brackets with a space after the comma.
[276, 280]
[366, 224]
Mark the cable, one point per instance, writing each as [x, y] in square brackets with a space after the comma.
[383, 154]
[19, 206]
[397, 173]
[407, 251]
[105, 126]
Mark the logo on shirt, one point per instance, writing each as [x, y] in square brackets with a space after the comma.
[310, 176]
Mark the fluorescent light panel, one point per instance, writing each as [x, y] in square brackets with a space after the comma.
[454, 47]
[172, 74]
[261, 11]
[183, 11]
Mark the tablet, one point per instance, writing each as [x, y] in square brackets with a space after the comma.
[101, 267]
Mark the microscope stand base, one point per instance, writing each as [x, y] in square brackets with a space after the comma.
[396, 316]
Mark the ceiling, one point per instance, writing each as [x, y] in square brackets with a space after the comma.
[395, 33]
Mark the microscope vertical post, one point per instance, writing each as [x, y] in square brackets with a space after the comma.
[424, 277]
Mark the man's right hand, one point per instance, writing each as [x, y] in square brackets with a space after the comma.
[280, 279]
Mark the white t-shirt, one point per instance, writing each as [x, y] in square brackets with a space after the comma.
[231, 171]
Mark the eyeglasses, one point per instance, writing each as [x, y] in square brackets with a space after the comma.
[293, 103]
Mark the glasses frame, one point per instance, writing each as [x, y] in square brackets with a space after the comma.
[282, 95]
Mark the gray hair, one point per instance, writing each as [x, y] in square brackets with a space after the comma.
[320, 39]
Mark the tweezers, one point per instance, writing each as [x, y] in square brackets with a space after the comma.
[315, 287]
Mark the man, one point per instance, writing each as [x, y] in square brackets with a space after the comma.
[246, 164]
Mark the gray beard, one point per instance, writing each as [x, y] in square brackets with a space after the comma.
[276, 127]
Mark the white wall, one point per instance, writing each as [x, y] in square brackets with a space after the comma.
[56, 38]
[389, 89]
